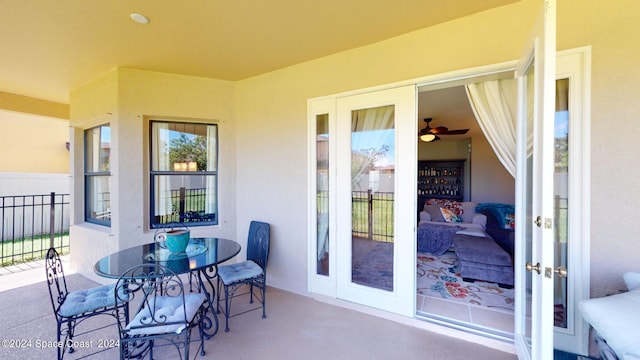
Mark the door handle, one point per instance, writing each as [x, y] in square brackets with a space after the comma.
[548, 222]
[531, 268]
[561, 271]
[538, 221]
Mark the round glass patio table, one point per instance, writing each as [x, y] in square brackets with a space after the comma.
[200, 259]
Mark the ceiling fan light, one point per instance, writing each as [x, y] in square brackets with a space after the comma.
[427, 137]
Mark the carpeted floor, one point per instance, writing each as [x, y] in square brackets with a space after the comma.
[372, 263]
[438, 277]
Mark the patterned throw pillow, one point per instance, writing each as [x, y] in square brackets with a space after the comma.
[450, 216]
[453, 205]
[510, 221]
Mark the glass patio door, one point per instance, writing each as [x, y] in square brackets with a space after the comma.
[572, 200]
[375, 146]
[534, 263]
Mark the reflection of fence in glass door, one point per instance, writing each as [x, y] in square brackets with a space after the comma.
[372, 168]
[561, 208]
[372, 186]
[561, 201]
[372, 215]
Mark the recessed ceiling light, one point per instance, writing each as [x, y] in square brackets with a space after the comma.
[139, 18]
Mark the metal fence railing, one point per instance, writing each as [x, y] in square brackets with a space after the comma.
[372, 215]
[188, 206]
[31, 224]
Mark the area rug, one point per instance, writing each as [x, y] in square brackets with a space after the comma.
[438, 277]
[372, 264]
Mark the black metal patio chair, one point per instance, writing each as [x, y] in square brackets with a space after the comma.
[164, 314]
[252, 271]
[72, 308]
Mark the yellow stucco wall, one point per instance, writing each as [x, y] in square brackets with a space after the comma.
[29, 128]
[33, 143]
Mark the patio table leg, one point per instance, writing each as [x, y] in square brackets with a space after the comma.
[206, 276]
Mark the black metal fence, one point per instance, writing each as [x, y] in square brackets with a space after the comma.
[31, 224]
[188, 206]
[372, 215]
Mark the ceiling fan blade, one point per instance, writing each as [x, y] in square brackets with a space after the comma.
[439, 130]
[456, 132]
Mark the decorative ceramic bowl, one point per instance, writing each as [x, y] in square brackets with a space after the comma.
[177, 240]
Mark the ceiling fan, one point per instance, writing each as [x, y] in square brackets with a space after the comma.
[429, 134]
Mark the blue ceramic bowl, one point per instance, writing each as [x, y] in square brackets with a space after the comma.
[177, 240]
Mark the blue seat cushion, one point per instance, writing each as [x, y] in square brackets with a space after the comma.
[238, 272]
[88, 300]
[169, 316]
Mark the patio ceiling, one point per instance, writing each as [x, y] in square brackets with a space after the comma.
[52, 47]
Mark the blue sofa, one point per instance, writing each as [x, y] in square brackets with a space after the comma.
[496, 227]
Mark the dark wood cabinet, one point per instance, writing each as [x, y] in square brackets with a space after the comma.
[441, 179]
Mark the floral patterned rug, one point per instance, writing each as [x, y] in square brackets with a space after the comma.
[438, 277]
[373, 264]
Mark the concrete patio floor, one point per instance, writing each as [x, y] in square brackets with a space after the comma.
[296, 327]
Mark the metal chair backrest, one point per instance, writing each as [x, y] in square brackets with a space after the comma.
[55, 279]
[142, 286]
[258, 243]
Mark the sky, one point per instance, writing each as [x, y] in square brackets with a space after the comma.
[562, 124]
[376, 139]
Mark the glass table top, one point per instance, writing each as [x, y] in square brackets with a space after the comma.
[201, 253]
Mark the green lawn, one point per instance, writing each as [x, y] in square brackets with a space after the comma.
[33, 248]
[381, 217]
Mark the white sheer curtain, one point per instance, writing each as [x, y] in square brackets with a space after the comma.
[494, 105]
[379, 118]
[160, 139]
[212, 165]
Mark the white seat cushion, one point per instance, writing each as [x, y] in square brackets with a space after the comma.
[616, 318]
[632, 280]
[171, 307]
[240, 271]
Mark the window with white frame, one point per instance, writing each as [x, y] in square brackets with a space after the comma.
[184, 173]
[97, 174]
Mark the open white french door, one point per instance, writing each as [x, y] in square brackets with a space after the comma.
[375, 219]
[534, 263]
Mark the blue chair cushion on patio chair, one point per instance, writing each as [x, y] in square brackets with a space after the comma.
[172, 308]
[240, 271]
[82, 301]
